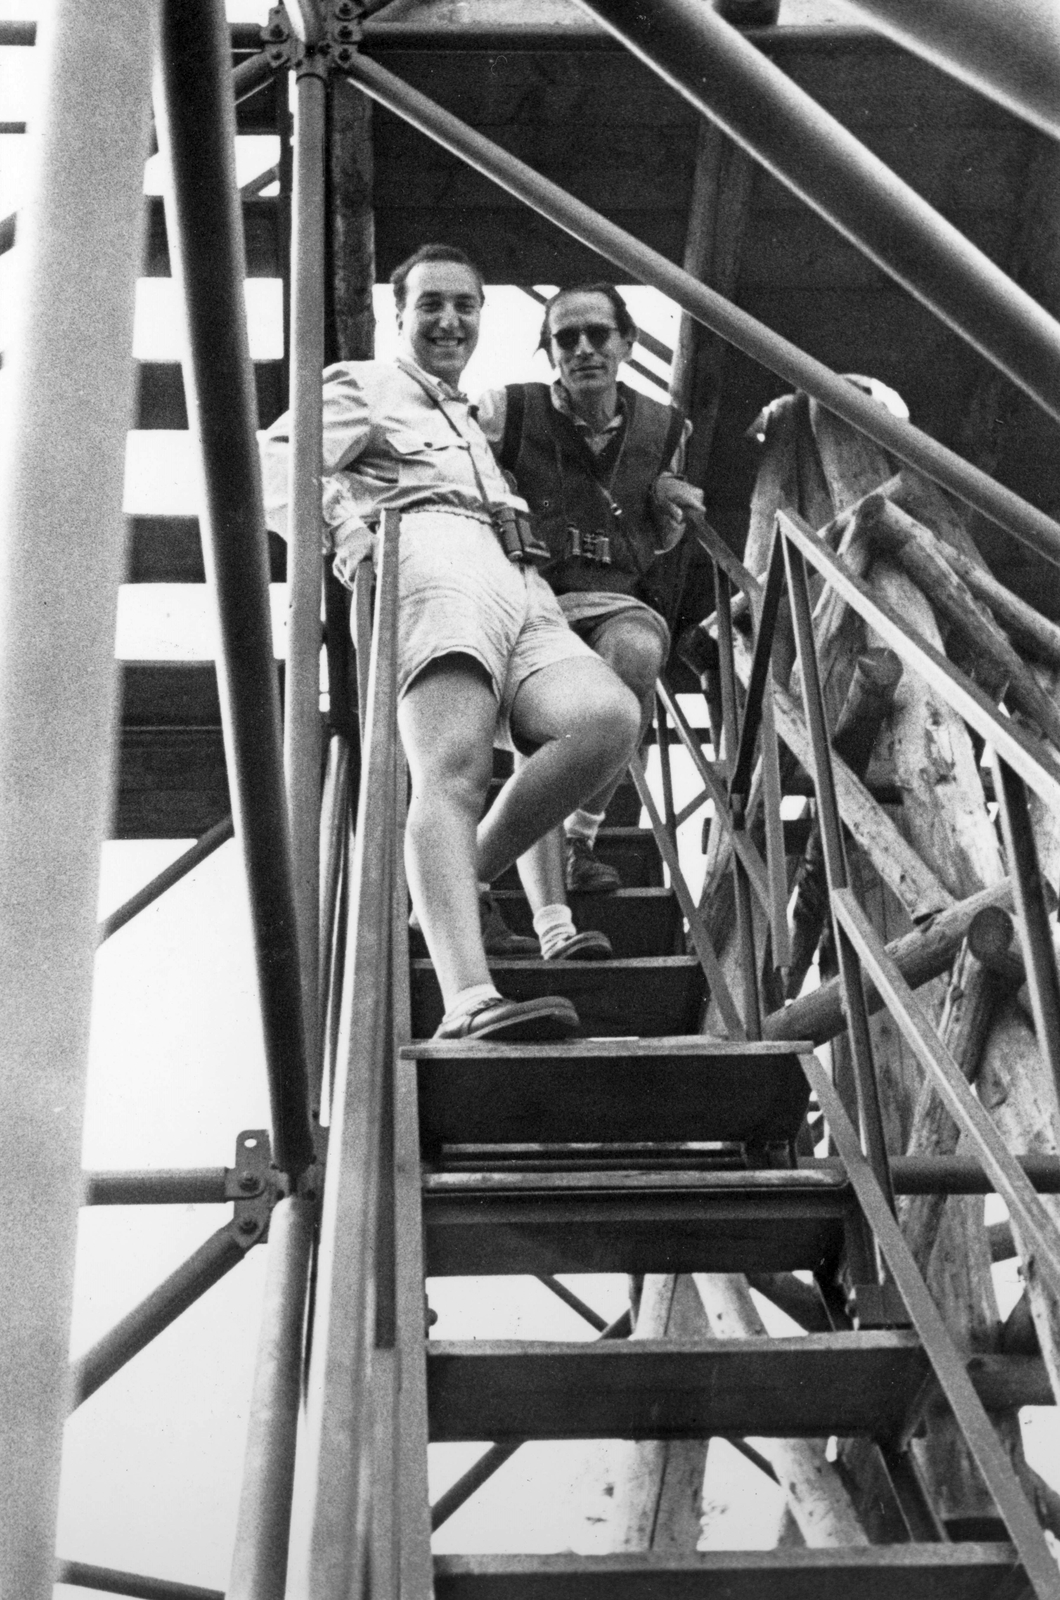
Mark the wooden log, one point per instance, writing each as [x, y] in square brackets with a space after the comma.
[1001, 669]
[868, 702]
[1027, 626]
[1014, 1089]
[920, 956]
[973, 996]
[721, 190]
[659, 1482]
[915, 884]
[352, 332]
[817, 1497]
[945, 818]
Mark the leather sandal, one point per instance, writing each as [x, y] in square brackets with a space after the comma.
[517, 1021]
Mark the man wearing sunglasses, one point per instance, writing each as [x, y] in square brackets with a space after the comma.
[600, 466]
[484, 654]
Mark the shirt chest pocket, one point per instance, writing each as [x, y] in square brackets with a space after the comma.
[422, 461]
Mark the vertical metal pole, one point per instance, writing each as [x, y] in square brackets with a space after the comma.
[196, 129]
[302, 738]
[70, 384]
[259, 1559]
[730, 714]
[857, 1014]
[662, 733]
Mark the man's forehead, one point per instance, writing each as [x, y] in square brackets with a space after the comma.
[577, 308]
[442, 278]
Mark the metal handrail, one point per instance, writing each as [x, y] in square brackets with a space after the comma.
[880, 1262]
[329, 1513]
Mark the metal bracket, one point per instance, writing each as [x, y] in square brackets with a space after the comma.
[279, 40]
[343, 28]
[252, 1185]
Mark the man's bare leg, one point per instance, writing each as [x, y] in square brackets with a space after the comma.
[582, 725]
[634, 651]
[447, 719]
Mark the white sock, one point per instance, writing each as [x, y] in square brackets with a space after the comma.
[583, 825]
[465, 1001]
[553, 925]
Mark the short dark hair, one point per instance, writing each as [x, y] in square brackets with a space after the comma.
[626, 326]
[431, 252]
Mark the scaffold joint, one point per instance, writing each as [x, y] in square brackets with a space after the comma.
[253, 1184]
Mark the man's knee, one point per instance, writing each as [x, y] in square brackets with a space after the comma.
[609, 720]
[446, 720]
[635, 652]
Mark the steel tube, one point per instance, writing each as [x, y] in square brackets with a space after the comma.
[218, 835]
[728, 80]
[196, 1186]
[302, 738]
[196, 123]
[330, 1503]
[62, 545]
[82, 1575]
[206, 1266]
[828, 820]
[251, 75]
[1009, 52]
[259, 1558]
[965, 1175]
[645, 265]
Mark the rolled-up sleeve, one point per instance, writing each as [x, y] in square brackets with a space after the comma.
[346, 429]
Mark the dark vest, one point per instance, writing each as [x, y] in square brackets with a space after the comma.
[578, 498]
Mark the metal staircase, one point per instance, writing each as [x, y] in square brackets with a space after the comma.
[649, 1146]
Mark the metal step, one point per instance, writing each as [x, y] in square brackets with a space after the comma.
[641, 998]
[520, 1222]
[160, 394]
[632, 851]
[261, 234]
[808, 1387]
[638, 922]
[169, 550]
[872, 1572]
[589, 1091]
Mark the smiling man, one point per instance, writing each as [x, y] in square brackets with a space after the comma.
[484, 654]
[600, 466]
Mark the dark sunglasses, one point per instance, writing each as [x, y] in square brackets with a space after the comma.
[597, 334]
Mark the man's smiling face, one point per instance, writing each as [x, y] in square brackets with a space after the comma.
[439, 323]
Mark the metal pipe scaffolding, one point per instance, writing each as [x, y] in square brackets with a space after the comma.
[302, 735]
[1010, 52]
[259, 1557]
[645, 265]
[727, 79]
[62, 539]
[196, 124]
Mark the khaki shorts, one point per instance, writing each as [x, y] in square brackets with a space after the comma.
[587, 611]
[459, 594]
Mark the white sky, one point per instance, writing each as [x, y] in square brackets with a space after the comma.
[153, 1460]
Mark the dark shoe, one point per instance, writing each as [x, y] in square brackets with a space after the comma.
[515, 1021]
[498, 940]
[586, 875]
[592, 945]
